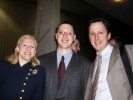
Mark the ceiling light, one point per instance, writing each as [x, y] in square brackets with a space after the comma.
[118, 0]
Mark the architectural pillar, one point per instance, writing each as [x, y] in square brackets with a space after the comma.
[48, 17]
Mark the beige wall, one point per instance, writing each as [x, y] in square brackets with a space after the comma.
[20, 16]
[16, 17]
[48, 16]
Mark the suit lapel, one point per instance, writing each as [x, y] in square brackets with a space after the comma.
[71, 67]
[89, 81]
[54, 67]
[114, 57]
[91, 75]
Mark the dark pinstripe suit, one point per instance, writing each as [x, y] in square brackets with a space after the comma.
[74, 82]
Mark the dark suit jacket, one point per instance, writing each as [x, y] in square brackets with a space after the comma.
[117, 79]
[74, 82]
[12, 80]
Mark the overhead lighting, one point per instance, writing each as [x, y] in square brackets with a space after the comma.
[118, 1]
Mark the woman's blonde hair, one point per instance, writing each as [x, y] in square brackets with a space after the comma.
[13, 59]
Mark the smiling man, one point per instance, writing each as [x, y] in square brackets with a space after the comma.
[109, 81]
[73, 83]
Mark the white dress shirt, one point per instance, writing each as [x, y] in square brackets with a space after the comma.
[103, 92]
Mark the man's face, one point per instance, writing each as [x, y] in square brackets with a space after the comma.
[65, 36]
[98, 35]
[76, 46]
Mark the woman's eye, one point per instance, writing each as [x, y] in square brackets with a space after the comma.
[24, 45]
[32, 47]
[101, 32]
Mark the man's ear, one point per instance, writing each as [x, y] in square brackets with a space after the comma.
[55, 35]
[109, 36]
[74, 38]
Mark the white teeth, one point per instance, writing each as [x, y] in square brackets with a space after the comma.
[97, 42]
[27, 53]
[64, 41]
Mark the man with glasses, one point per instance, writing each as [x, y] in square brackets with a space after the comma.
[73, 83]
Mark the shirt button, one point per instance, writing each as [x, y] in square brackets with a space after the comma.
[22, 90]
[26, 78]
[20, 98]
[28, 73]
[24, 83]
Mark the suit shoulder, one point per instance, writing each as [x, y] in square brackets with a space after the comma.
[39, 67]
[4, 63]
[129, 46]
[129, 49]
[46, 55]
[83, 58]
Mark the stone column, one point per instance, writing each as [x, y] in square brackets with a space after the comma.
[48, 17]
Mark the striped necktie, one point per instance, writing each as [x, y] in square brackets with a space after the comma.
[95, 82]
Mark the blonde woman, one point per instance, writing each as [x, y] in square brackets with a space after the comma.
[22, 77]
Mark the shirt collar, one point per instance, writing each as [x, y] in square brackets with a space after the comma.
[107, 51]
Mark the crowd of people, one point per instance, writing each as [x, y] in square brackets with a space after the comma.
[64, 74]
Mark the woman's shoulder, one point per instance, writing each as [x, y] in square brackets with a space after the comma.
[39, 67]
[4, 63]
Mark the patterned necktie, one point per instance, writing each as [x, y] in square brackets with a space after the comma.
[95, 82]
[61, 71]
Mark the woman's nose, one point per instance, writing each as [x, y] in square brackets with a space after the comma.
[28, 48]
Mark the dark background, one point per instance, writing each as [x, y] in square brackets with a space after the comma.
[18, 17]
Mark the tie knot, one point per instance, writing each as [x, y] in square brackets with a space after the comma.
[99, 56]
[62, 58]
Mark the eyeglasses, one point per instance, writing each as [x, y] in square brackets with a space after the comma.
[65, 33]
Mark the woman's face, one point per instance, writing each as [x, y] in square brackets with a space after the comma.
[26, 49]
